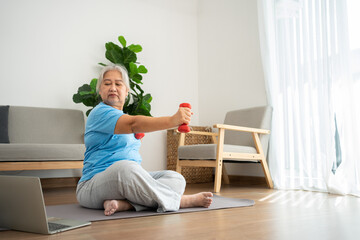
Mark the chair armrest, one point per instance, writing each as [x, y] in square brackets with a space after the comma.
[201, 133]
[242, 129]
[182, 136]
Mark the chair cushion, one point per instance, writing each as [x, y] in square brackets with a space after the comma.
[4, 119]
[208, 151]
[41, 152]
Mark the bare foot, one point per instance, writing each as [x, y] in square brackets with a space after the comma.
[202, 199]
[113, 206]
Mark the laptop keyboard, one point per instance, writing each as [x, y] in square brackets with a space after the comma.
[56, 226]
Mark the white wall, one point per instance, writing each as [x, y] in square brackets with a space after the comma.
[49, 48]
[205, 52]
[230, 68]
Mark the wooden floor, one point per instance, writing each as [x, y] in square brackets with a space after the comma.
[276, 215]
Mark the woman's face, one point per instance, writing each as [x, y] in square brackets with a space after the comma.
[113, 90]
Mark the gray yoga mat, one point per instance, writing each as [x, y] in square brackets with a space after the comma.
[75, 211]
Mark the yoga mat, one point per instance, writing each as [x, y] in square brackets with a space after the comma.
[75, 211]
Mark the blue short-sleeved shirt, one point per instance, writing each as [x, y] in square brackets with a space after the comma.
[103, 147]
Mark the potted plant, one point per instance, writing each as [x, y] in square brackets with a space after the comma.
[137, 102]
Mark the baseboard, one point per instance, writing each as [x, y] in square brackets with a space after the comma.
[59, 182]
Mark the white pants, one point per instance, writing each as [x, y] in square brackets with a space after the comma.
[128, 180]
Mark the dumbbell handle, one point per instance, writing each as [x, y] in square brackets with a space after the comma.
[184, 128]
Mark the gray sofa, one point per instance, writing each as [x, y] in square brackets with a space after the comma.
[34, 138]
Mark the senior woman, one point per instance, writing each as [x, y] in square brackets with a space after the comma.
[113, 178]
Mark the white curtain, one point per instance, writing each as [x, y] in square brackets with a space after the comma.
[313, 90]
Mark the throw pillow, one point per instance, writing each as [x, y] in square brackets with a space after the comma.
[4, 119]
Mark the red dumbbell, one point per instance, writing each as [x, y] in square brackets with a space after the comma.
[139, 135]
[184, 128]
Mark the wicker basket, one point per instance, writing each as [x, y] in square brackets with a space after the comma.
[191, 174]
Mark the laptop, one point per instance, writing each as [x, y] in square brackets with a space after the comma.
[22, 207]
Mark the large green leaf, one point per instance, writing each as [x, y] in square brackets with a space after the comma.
[129, 56]
[141, 109]
[85, 93]
[133, 69]
[111, 46]
[115, 56]
[148, 98]
[135, 48]
[137, 78]
[85, 88]
[145, 101]
[93, 84]
[122, 41]
[77, 98]
[129, 109]
[142, 69]
[145, 109]
[114, 53]
[90, 101]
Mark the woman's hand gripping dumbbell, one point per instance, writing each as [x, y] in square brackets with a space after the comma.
[184, 128]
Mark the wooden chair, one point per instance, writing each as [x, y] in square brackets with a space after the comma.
[246, 139]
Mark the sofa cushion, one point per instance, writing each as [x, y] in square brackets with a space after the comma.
[4, 119]
[41, 152]
[46, 125]
[208, 151]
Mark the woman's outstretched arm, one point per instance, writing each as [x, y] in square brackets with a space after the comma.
[136, 124]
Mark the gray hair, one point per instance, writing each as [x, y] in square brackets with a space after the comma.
[121, 69]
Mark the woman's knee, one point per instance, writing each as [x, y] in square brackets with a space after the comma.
[128, 172]
[181, 179]
[124, 168]
[177, 176]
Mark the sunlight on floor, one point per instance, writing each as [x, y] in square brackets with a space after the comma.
[308, 199]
